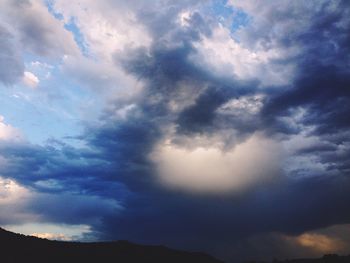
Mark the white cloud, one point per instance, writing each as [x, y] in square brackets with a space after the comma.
[52, 236]
[245, 105]
[184, 17]
[62, 232]
[27, 211]
[30, 79]
[13, 200]
[98, 75]
[9, 133]
[318, 242]
[273, 20]
[227, 57]
[107, 29]
[107, 26]
[11, 192]
[271, 35]
[211, 169]
[277, 25]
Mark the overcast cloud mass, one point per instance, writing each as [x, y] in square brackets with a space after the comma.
[220, 126]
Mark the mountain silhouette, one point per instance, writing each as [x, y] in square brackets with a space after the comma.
[17, 248]
[331, 258]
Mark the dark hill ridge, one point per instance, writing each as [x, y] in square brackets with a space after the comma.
[16, 248]
[332, 258]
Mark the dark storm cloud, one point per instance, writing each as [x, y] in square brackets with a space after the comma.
[323, 79]
[160, 216]
[166, 70]
[64, 185]
[202, 113]
[321, 85]
[116, 164]
[125, 146]
[324, 91]
[73, 170]
[321, 88]
[211, 223]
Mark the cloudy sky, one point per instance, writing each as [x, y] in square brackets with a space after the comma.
[212, 125]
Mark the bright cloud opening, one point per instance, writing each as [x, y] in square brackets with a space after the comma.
[211, 169]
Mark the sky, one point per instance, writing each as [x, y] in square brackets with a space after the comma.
[213, 125]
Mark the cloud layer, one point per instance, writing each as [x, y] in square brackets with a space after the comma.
[204, 124]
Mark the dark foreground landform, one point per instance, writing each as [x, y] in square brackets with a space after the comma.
[325, 259]
[16, 248]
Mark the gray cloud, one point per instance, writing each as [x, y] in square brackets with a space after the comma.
[11, 65]
[36, 29]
